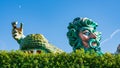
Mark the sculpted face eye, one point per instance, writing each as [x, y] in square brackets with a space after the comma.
[86, 32]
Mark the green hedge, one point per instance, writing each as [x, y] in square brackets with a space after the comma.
[78, 59]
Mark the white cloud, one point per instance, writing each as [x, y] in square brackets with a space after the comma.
[111, 36]
[105, 40]
[115, 32]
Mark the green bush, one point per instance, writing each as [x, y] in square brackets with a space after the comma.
[78, 59]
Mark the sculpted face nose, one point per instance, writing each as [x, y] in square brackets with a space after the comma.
[92, 35]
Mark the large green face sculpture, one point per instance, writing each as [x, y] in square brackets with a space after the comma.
[82, 34]
[32, 42]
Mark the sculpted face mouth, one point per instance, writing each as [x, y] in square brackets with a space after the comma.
[93, 43]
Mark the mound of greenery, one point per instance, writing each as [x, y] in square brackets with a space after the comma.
[78, 59]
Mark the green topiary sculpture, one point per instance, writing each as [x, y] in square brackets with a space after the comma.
[32, 42]
[82, 34]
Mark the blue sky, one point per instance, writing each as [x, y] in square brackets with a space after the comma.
[51, 18]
